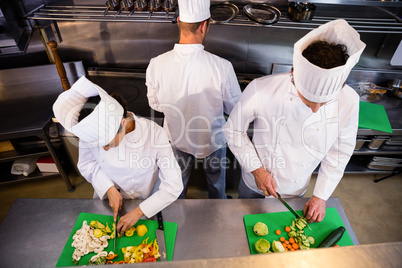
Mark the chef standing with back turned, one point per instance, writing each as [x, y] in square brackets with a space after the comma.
[301, 119]
[193, 89]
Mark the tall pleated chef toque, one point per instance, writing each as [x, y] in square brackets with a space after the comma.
[101, 125]
[192, 11]
[321, 85]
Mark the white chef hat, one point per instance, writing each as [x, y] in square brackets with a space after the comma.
[318, 84]
[101, 125]
[194, 10]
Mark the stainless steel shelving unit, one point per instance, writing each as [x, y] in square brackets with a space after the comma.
[98, 13]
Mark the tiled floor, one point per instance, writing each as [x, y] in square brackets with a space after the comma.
[373, 209]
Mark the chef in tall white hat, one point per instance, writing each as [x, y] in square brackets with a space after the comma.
[302, 120]
[120, 154]
[193, 89]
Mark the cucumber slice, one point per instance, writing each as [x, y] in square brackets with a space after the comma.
[311, 240]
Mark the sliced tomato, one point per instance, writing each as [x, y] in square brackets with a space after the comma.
[149, 259]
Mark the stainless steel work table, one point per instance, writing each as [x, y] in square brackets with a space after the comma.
[35, 231]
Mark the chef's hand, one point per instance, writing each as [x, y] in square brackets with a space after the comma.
[115, 201]
[129, 220]
[265, 181]
[314, 210]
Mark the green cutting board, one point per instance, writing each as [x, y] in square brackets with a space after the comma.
[374, 116]
[67, 254]
[278, 221]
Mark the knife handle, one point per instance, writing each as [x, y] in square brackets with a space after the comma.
[278, 194]
[160, 220]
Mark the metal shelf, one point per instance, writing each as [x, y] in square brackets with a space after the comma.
[98, 13]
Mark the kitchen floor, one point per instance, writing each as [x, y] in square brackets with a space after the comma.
[374, 209]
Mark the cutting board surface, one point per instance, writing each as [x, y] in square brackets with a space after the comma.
[67, 254]
[278, 221]
[374, 116]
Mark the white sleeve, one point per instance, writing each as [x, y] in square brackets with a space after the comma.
[236, 127]
[171, 184]
[231, 91]
[334, 163]
[152, 87]
[91, 171]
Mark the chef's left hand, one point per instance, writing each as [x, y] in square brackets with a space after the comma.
[129, 220]
[314, 210]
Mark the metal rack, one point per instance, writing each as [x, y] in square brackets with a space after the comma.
[99, 13]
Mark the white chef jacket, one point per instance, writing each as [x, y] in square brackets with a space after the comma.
[193, 89]
[143, 166]
[289, 140]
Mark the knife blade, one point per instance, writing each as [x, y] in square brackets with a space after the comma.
[291, 209]
[115, 233]
[160, 237]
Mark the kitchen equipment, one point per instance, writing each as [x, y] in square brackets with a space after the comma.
[155, 5]
[360, 141]
[278, 221]
[396, 87]
[160, 236]
[115, 234]
[385, 163]
[377, 141]
[262, 13]
[127, 5]
[290, 208]
[374, 116]
[113, 5]
[170, 229]
[169, 5]
[301, 11]
[223, 12]
[140, 5]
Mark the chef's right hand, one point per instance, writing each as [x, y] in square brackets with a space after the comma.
[115, 201]
[265, 181]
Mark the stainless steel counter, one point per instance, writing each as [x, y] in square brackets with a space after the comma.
[35, 231]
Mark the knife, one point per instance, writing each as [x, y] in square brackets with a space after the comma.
[160, 237]
[291, 209]
[115, 233]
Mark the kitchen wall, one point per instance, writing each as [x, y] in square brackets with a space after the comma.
[251, 49]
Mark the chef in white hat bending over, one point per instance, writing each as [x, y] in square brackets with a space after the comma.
[301, 119]
[193, 89]
[120, 154]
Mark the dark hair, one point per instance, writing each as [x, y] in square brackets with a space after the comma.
[326, 55]
[92, 102]
[191, 27]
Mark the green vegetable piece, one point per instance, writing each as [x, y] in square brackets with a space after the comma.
[100, 261]
[292, 234]
[98, 233]
[311, 240]
[108, 228]
[260, 229]
[94, 224]
[100, 225]
[262, 246]
[332, 238]
[277, 246]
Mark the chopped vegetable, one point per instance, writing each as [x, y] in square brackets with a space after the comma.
[111, 256]
[98, 233]
[130, 231]
[136, 254]
[262, 246]
[287, 229]
[277, 246]
[260, 229]
[282, 239]
[278, 232]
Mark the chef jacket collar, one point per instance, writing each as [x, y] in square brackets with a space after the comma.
[188, 48]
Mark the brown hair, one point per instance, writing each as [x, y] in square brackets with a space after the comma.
[326, 55]
[186, 27]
